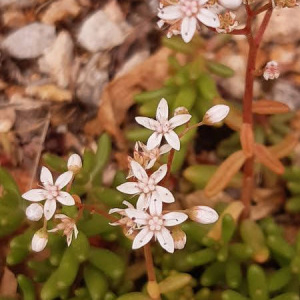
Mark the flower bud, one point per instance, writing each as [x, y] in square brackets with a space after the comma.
[34, 212]
[74, 163]
[202, 214]
[216, 114]
[179, 237]
[181, 111]
[39, 240]
[271, 70]
[230, 4]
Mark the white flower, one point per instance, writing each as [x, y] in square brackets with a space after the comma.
[154, 225]
[67, 225]
[271, 70]
[231, 4]
[189, 12]
[151, 194]
[216, 114]
[147, 158]
[34, 212]
[202, 214]
[39, 240]
[51, 192]
[74, 163]
[227, 22]
[163, 127]
[124, 221]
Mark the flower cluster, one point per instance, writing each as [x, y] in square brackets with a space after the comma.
[183, 16]
[148, 220]
[271, 70]
[52, 193]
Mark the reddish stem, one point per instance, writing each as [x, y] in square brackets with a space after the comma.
[254, 43]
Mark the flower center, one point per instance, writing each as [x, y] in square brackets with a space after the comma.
[189, 7]
[52, 191]
[163, 127]
[155, 223]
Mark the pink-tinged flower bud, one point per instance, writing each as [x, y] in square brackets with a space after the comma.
[202, 214]
[39, 240]
[34, 212]
[179, 237]
[74, 163]
[230, 4]
[216, 114]
[271, 70]
[181, 111]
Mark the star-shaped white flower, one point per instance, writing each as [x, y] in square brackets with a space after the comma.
[154, 225]
[151, 194]
[189, 12]
[51, 192]
[68, 226]
[163, 127]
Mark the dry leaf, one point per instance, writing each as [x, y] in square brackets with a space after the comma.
[234, 209]
[229, 167]
[285, 147]
[269, 107]
[49, 92]
[247, 139]
[267, 158]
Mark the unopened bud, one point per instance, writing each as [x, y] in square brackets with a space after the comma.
[271, 70]
[179, 237]
[34, 212]
[39, 240]
[216, 114]
[230, 4]
[181, 111]
[202, 214]
[74, 163]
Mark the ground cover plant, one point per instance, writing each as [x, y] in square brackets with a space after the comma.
[169, 226]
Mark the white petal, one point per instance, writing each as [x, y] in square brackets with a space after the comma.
[164, 149]
[170, 12]
[159, 174]
[63, 179]
[65, 198]
[179, 120]
[46, 176]
[188, 28]
[204, 214]
[75, 230]
[142, 238]
[172, 139]
[49, 209]
[165, 239]
[155, 207]
[53, 230]
[115, 210]
[202, 2]
[143, 202]
[162, 111]
[69, 239]
[154, 140]
[139, 216]
[174, 218]
[138, 171]
[61, 216]
[231, 4]
[34, 195]
[151, 163]
[128, 204]
[130, 188]
[164, 194]
[208, 18]
[147, 122]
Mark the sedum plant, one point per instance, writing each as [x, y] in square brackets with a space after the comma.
[102, 225]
